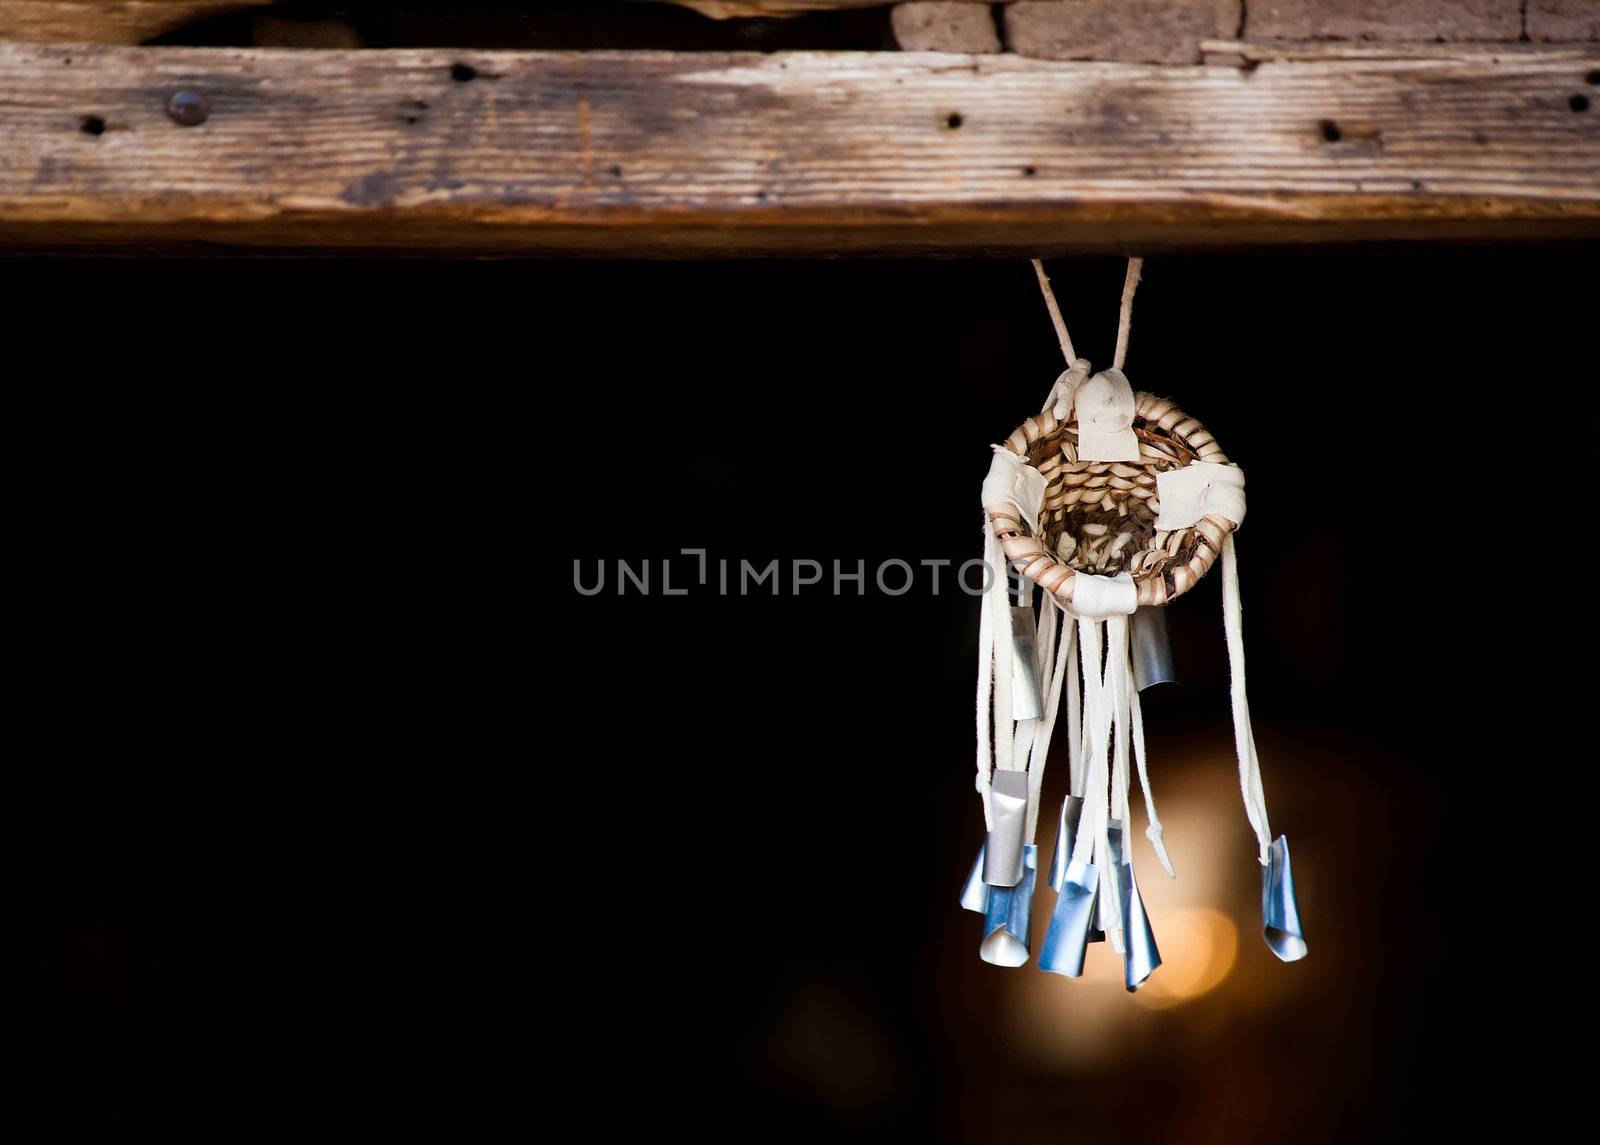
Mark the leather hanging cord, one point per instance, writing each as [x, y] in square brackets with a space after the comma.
[1056, 320]
[1255, 800]
[1130, 283]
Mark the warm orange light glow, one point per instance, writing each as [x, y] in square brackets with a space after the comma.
[1198, 947]
[1073, 1023]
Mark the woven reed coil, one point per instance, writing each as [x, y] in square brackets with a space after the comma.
[1100, 516]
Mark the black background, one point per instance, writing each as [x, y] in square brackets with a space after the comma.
[337, 804]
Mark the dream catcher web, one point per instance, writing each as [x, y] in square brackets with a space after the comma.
[1111, 503]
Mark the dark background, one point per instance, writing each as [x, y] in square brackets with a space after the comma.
[338, 805]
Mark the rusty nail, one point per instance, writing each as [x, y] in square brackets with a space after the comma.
[188, 108]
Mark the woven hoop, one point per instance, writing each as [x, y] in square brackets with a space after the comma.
[1100, 516]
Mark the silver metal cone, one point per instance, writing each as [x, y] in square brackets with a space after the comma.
[1002, 850]
[1280, 911]
[975, 892]
[1142, 956]
[1066, 940]
[1152, 648]
[1066, 832]
[1007, 921]
[1027, 697]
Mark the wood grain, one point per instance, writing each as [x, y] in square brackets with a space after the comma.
[105, 21]
[666, 154]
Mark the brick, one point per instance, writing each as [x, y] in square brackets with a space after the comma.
[945, 26]
[1400, 20]
[1135, 31]
[1563, 21]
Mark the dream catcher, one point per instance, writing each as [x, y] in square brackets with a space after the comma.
[1112, 503]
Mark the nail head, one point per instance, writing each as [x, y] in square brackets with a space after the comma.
[188, 108]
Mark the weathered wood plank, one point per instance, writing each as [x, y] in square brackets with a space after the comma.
[105, 21]
[637, 153]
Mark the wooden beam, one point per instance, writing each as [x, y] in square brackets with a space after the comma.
[106, 21]
[659, 153]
